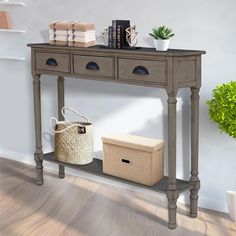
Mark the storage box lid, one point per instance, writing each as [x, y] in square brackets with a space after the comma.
[135, 142]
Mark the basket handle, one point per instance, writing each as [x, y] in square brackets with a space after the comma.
[73, 110]
[63, 130]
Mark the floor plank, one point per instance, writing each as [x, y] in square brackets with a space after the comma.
[76, 206]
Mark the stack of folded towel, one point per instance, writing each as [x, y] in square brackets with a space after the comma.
[61, 32]
[84, 35]
[52, 33]
[58, 32]
[71, 33]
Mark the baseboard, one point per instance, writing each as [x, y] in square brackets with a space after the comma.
[184, 198]
[17, 156]
[213, 204]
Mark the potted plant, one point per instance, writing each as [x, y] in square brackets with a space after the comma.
[222, 110]
[161, 36]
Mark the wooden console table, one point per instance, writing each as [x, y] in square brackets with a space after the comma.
[169, 70]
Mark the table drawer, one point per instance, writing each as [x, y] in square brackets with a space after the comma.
[58, 62]
[94, 65]
[142, 70]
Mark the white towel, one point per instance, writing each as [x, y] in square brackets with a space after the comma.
[61, 32]
[61, 38]
[71, 38]
[51, 31]
[84, 40]
[82, 34]
[70, 32]
[51, 37]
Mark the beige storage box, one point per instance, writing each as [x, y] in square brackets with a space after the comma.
[134, 158]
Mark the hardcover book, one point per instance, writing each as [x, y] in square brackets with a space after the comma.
[110, 31]
[124, 25]
[119, 36]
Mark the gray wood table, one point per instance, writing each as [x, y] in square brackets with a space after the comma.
[170, 70]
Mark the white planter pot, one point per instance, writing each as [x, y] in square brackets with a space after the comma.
[231, 201]
[161, 44]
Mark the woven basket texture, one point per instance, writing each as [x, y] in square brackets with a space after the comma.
[74, 147]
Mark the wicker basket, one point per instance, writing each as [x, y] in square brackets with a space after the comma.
[73, 140]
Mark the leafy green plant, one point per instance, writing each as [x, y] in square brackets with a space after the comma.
[162, 32]
[222, 108]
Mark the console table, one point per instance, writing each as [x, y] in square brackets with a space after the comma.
[168, 70]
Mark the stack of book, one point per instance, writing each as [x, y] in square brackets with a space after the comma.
[70, 33]
[117, 34]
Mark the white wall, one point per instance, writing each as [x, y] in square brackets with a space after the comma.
[117, 108]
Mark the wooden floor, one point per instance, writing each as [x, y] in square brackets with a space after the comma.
[76, 206]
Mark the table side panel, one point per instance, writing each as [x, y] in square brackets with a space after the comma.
[186, 71]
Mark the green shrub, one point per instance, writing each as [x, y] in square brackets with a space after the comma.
[222, 108]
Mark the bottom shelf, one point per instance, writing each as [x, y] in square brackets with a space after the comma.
[96, 168]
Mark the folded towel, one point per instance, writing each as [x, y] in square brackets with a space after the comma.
[52, 24]
[85, 37]
[71, 32]
[61, 38]
[86, 33]
[71, 44]
[71, 25]
[84, 26]
[61, 32]
[60, 43]
[71, 38]
[84, 40]
[51, 42]
[51, 37]
[63, 25]
[85, 45]
[51, 31]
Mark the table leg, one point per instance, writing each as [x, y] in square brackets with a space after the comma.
[194, 180]
[172, 192]
[61, 103]
[38, 155]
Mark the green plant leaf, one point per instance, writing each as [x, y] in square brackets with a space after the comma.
[162, 32]
[222, 108]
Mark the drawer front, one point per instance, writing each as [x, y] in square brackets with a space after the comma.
[142, 70]
[57, 62]
[94, 65]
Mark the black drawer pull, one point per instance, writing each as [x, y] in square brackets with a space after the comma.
[51, 62]
[140, 70]
[92, 66]
[125, 161]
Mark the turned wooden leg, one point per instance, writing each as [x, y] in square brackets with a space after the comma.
[61, 102]
[194, 180]
[172, 192]
[38, 155]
